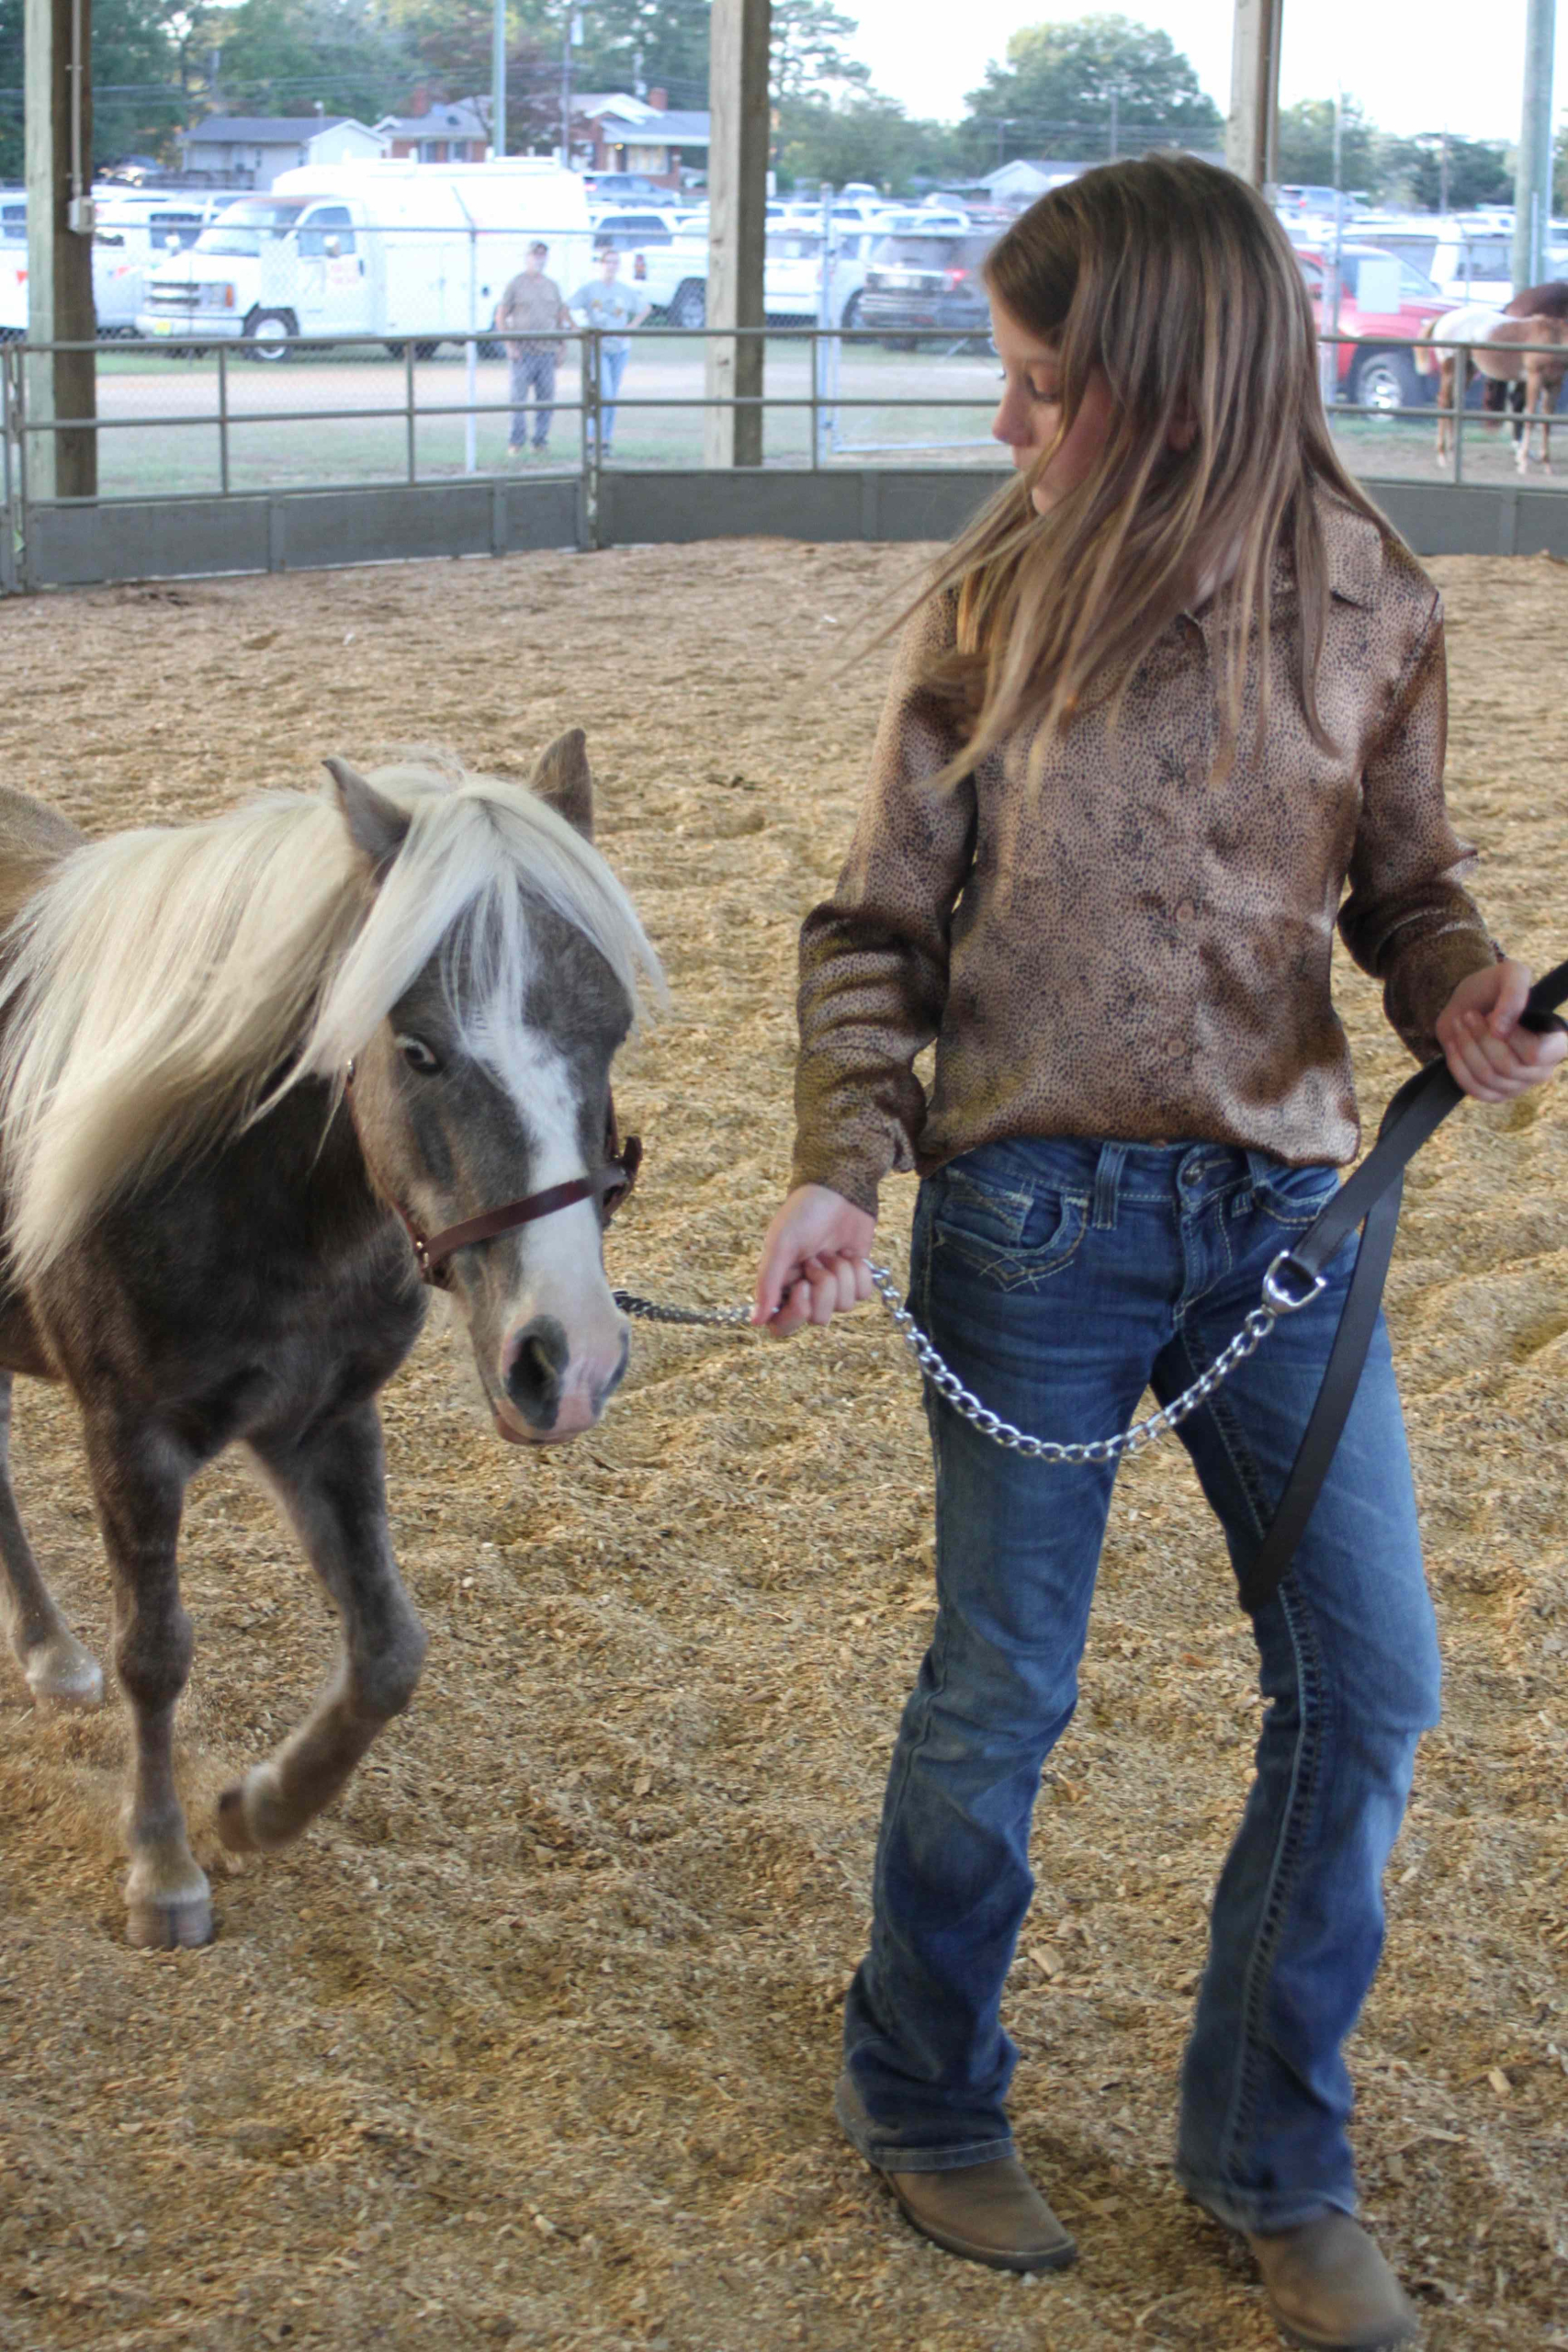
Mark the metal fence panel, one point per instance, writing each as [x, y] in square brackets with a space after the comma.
[75, 546]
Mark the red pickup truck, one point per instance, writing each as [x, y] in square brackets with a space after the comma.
[1384, 304]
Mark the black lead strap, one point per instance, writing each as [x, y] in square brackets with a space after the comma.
[1370, 1199]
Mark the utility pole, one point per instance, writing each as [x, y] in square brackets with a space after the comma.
[1252, 133]
[58, 106]
[1532, 177]
[498, 82]
[737, 197]
[571, 36]
[1115, 141]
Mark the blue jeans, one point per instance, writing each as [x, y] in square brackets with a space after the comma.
[531, 371]
[1060, 1278]
[611, 367]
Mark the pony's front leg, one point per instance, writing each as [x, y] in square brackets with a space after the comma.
[138, 1479]
[332, 1488]
[60, 1672]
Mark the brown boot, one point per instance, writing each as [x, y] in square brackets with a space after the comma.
[1330, 2289]
[991, 2213]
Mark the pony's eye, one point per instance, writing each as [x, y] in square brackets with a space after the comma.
[419, 1055]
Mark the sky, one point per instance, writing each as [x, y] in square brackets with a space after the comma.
[1413, 64]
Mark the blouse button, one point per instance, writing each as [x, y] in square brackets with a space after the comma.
[1186, 911]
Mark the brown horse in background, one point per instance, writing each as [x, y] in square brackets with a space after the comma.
[1547, 300]
[1507, 351]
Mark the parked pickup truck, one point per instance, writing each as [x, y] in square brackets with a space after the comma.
[1385, 305]
[672, 275]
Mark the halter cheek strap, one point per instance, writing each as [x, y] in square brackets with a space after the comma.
[607, 1186]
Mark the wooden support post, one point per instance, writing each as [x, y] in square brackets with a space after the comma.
[738, 196]
[1532, 174]
[1252, 134]
[58, 147]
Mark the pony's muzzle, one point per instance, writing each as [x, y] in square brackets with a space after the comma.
[555, 1393]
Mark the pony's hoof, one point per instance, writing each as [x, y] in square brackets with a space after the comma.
[251, 1816]
[232, 1826]
[62, 1674]
[170, 1927]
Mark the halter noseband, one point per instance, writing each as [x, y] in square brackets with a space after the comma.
[608, 1186]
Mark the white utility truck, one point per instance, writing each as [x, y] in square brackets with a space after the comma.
[412, 253]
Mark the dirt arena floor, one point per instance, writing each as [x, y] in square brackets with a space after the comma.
[531, 2041]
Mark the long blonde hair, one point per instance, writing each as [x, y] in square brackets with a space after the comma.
[1175, 281]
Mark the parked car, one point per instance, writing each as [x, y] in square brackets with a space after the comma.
[615, 188]
[1468, 257]
[1384, 303]
[931, 279]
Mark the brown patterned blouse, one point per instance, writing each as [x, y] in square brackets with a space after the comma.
[1121, 946]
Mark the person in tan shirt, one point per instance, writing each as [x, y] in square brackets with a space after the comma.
[531, 302]
[1173, 707]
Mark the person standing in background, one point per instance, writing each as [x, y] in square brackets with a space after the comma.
[531, 301]
[603, 303]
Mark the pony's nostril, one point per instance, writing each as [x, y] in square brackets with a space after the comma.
[534, 1374]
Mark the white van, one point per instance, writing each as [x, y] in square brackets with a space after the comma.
[133, 229]
[409, 251]
[13, 264]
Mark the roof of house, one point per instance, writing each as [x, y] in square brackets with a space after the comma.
[652, 126]
[450, 118]
[268, 129]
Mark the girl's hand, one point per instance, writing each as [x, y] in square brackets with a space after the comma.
[1486, 1051]
[813, 1261]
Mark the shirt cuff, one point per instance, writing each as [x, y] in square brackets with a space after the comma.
[858, 1181]
[1425, 979]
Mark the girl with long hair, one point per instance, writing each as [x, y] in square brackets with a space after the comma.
[1173, 704]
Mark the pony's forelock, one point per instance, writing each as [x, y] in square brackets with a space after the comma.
[168, 985]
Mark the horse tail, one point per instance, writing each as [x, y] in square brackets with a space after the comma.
[1421, 351]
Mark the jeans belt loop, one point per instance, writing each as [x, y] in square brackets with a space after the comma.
[1106, 1182]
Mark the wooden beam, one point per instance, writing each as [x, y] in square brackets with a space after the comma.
[738, 196]
[1252, 134]
[58, 105]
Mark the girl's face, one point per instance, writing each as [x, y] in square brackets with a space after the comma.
[1029, 415]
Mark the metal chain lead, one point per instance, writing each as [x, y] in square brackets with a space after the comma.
[1253, 1332]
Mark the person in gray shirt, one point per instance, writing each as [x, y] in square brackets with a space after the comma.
[604, 304]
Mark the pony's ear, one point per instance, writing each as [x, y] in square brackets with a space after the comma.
[375, 825]
[562, 779]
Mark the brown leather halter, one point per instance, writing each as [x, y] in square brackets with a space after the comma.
[608, 1185]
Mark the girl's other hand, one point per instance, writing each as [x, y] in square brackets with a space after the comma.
[813, 1261]
[1486, 1051]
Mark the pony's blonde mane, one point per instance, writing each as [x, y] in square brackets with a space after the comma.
[165, 987]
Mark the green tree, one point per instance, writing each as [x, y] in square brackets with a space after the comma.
[809, 55]
[286, 56]
[1080, 88]
[136, 102]
[1306, 145]
[861, 136]
[1437, 172]
[11, 71]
